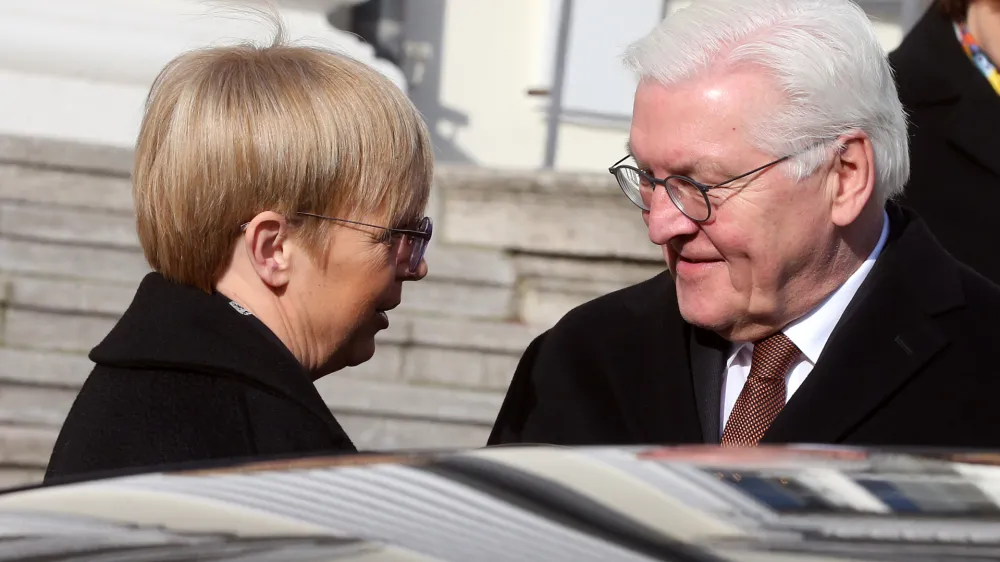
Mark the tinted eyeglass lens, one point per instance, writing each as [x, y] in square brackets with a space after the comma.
[689, 199]
[420, 244]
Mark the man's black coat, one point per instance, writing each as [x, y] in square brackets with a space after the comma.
[913, 361]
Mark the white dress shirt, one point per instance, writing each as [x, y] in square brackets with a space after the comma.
[808, 333]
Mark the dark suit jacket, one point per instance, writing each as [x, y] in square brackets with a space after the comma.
[954, 117]
[913, 361]
[185, 377]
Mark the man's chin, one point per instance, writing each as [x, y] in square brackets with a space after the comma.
[704, 313]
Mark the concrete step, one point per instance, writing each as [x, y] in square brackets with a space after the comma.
[352, 395]
[30, 329]
[435, 366]
[387, 434]
[485, 266]
[70, 188]
[77, 296]
[459, 334]
[35, 405]
[43, 368]
[545, 212]
[617, 273]
[446, 298]
[17, 477]
[458, 368]
[54, 223]
[26, 446]
[63, 154]
[71, 262]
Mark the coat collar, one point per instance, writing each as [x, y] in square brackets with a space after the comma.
[932, 70]
[177, 327]
[886, 335]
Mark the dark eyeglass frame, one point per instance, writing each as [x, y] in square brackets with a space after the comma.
[421, 235]
[617, 167]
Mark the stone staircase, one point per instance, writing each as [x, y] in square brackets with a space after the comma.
[513, 252]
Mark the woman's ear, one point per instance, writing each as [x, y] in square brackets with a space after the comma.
[265, 238]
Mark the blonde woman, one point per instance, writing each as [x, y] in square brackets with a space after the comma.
[279, 195]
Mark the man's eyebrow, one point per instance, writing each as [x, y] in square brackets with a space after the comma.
[628, 151]
[708, 166]
[702, 167]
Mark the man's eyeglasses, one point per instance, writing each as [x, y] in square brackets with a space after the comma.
[690, 196]
[419, 236]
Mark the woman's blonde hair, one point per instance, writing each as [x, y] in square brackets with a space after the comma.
[232, 131]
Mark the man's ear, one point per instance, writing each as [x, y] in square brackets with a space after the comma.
[266, 240]
[853, 176]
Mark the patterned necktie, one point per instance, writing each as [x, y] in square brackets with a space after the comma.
[763, 395]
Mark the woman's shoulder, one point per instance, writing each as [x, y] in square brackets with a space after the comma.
[122, 393]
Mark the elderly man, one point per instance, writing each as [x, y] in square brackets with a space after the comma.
[801, 304]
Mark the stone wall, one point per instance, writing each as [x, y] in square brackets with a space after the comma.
[512, 253]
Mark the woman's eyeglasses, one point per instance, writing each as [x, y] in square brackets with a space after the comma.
[419, 236]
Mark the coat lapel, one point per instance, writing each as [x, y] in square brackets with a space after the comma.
[708, 360]
[884, 338]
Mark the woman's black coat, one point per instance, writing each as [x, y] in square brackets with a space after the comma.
[187, 376]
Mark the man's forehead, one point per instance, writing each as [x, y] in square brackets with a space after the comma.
[684, 160]
[697, 125]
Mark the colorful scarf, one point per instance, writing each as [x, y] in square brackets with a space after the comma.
[978, 56]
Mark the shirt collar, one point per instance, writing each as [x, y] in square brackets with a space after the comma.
[811, 332]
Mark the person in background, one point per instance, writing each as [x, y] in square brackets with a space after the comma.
[949, 83]
[279, 196]
[801, 304]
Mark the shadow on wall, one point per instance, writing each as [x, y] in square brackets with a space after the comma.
[410, 34]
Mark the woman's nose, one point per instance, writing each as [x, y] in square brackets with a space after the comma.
[403, 272]
[421, 271]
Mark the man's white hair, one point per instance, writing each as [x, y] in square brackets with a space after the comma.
[825, 59]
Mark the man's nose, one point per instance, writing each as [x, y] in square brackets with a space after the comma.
[665, 221]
